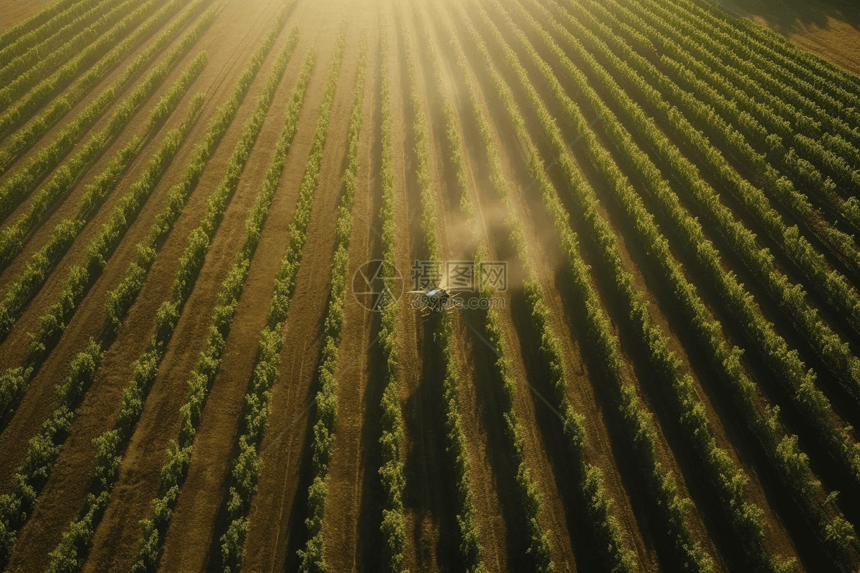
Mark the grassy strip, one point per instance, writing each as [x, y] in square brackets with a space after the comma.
[28, 481]
[668, 506]
[175, 469]
[799, 383]
[14, 381]
[64, 42]
[782, 451]
[325, 416]
[604, 528]
[38, 19]
[443, 336]
[13, 234]
[16, 186]
[393, 525]
[70, 554]
[246, 466]
[31, 88]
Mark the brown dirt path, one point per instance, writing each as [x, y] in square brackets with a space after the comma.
[75, 463]
[478, 381]
[115, 543]
[561, 280]
[353, 463]
[14, 11]
[580, 391]
[647, 281]
[199, 512]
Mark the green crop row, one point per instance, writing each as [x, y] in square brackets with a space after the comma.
[313, 554]
[840, 174]
[40, 265]
[52, 324]
[17, 506]
[690, 71]
[16, 187]
[246, 466]
[778, 446]
[808, 117]
[455, 437]
[831, 285]
[668, 506]
[831, 97]
[38, 19]
[807, 491]
[721, 471]
[452, 128]
[30, 133]
[818, 108]
[39, 43]
[605, 528]
[540, 548]
[179, 453]
[32, 88]
[58, 45]
[393, 525]
[123, 296]
[13, 235]
[14, 381]
[799, 382]
[71, 553]
[842, 244]
[773, 45]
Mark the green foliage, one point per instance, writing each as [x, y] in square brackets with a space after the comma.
[120, 299]
[40, 264]
[15, 33]
[801, 383]
[455, 438]
[708, 331]
[16, 186]
[607, 533]
[60, 45]
[602, 343]
[179, 453]
[102, 52]
[111, 445]
[393, 526]
[80, 277]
